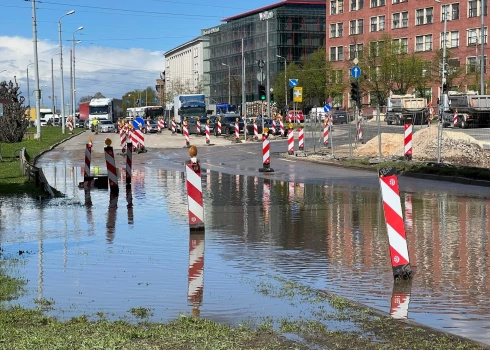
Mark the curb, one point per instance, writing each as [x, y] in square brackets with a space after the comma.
[454, 179]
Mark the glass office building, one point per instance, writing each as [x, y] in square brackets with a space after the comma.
[296, 29]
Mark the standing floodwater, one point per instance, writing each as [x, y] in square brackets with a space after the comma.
[90, 252]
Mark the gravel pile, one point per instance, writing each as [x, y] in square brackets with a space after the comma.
[457, 148]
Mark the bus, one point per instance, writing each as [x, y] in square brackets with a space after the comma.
[153, 112]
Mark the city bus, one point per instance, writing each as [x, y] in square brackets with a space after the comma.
[144, 112]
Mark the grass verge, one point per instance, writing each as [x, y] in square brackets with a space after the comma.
[11, 179]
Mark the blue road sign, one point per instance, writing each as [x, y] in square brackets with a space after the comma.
[137, 122]
[355, 72]
[293, 82]
[326, 108]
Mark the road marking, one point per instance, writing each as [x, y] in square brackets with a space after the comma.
[287, 160]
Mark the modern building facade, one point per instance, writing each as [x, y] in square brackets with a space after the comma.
[184, 68]
[296, 29]
[416, 25]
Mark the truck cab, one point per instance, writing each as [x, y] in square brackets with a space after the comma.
[403, 109]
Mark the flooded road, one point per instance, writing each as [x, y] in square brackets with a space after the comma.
[97, 253]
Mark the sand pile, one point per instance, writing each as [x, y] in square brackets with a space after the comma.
[457, 147]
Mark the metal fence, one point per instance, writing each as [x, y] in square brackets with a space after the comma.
[431, 142]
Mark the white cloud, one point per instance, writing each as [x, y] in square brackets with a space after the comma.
[112, 71]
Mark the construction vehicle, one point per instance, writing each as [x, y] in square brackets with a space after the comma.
[402, 109]
[471, 110]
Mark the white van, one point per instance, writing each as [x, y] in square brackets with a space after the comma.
[318, 113]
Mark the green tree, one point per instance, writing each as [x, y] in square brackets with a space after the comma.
[140, 98]
[455, 72]
[13, 123]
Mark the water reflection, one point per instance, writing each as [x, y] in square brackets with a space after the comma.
[400, 299]
[330, 237]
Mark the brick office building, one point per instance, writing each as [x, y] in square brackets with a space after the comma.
[417, 25]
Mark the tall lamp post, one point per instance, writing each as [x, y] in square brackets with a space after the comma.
[265, 16]
[73, 87]
[482, 35]
[61, 72]
[229, 83]
[36, 69]
[285, 82]
[443, 99]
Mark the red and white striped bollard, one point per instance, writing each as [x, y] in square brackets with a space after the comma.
[194, 192]
[186, 134]
[138, 134]
[256, 130]
[198, 127]
[266, 160]
[407, 141]
[301, 139]
[326, 128]
[455, 119]
[208, 134]
[237, 130]
[111, 167]
[219, 127]
[281, 125]
[360, 137]
[173, 126]
[400, 260]
[122, 138]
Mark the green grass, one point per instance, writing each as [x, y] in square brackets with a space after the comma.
[11, 179]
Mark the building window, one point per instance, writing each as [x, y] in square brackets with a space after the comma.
[473, 8]
[356, 5]
[336, 7]
[400, 45]
[474, 36]
[400, 20]
[452, 40]
[424, 16]
[398, 1]
[452, 11]
[423, 43]
[336, 77]
[375, 48]
[336, 30]
[356, 26]
[355, 50]
[473, 64]
[377, 23]
[377, 3]
[336, 53]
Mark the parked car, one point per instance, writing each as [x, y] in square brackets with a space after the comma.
[106, 126]
[203, 125]
[228, 124]
[153, 127]
[267, 124]
[295, 116]
[339, 117]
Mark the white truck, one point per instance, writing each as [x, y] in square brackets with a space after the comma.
[105, 109]
[403, 108]
[470, 108]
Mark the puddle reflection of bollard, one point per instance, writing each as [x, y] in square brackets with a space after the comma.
[88, 197]
[266, 160]
[400, 260]
[88, 160]
[194, 192]
[129, 199]
[400, 299]
[111, 217]
[111, 167]
[266, 196]
[129, 164]
[195, 285]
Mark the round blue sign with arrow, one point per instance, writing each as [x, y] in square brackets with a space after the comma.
[355, 72]
[326, 108]
[137, 122]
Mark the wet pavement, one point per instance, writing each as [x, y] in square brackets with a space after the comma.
[97, 253]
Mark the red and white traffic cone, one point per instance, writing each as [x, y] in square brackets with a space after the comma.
[208, 134]
[195, 286]
[129, 164]
[290, 141]
[194, 192]
[301, 138]
[173, 126]
[219, 127]
[326, 128]
[266, 160]
[281, 125]
[400, 299]
[111, 167]
[407, 141]
[237, 131]
[186, 135]
[198, 128]
[88, 159]
[400, 260]
[256, 130]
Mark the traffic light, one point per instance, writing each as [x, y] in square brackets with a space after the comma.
[354, 91]
[444, 88]
[262, 94]
[272, 97]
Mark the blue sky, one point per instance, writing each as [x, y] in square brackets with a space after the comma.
[122, 41]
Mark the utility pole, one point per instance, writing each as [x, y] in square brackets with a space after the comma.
[244, 104]
[482, 41]
[72, 103]
[36, 70]
[442, 99]
[52, 87]
[28, 90]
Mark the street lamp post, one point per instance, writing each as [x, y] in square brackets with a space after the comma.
[28, 89]
[36, 69]
[443, 99]
[73, 63]
[482, 59]
[61, 72]
[265, 16]
[229, 83]
[285, 82]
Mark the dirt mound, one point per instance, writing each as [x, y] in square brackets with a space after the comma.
[457, 148]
